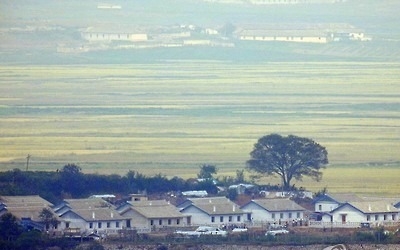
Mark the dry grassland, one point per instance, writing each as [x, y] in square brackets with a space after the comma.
[171, 117]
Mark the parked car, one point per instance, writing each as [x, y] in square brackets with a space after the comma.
[277, 231]
[203, 230]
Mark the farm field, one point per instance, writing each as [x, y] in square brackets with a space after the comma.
[172, 116]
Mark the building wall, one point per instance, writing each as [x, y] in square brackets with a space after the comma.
[102, 227]
[137, 220]
[101, 36]
[198, 217]
[260, 215]
[354, 215]
[302, 39]
[293, 1]
[325, 206]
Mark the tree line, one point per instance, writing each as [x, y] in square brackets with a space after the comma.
[287, 157]
[71, 182]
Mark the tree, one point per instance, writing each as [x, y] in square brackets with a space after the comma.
[71, 169]
[9, 227]
[72, 181]
[48, 218]
[206, 171]
[288, 157]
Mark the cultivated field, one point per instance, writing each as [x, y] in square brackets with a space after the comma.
[173, 116]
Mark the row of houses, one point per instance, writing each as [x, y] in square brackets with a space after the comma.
[189, 34]
[141, 215]
[269, 2]
[349, 210]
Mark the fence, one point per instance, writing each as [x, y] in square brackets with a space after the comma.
[322, 224]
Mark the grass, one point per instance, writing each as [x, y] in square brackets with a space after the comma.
[172, 117]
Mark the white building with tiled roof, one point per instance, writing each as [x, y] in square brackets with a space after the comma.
[26, 209]
[278, 210]
[86, 216]
[328, 202]
[149, 215]
[352, 214]
[215, 211]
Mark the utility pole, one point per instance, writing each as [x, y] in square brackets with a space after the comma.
[27, 161]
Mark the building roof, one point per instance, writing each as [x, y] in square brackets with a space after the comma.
[215, 205]
[91, 209]
[155, 209]
[29, 206]
[26, 200]
[278, 204]
[368, 207]
[338, 198]
[96, 214]
[89, 203]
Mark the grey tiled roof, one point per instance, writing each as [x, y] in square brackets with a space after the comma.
[279, 204]
[216, 205]
[156, 209]
[374, 207]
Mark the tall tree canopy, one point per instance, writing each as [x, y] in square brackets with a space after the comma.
[207, 171]
[288, 157]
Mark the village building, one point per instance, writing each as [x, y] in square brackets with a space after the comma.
[27, 210]
[127, 34]
[213, 211]
[262, 2]
[320, 33]
[300, 36]
[87, 216]
[354, 214]
[280, 211]
[149, 215]
[329, 202]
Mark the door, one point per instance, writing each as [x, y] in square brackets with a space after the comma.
[343, 218]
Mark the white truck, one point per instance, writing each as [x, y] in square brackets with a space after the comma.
[203, 230]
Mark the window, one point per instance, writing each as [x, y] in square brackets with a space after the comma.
[290, 215]
[117, 224]
[221, 219]
[99, 225]
[160, 222]
[90, 225]
[298, 214]
[108, 224]
[376, 217]
[151, 222]
[273, 215]
[212, 219]
[67, 224]
[393, 217]
[230, 218]
[368, 217]
[178, 221]
[169, 221]
[320, 207]
[238, 218]
[384, 217]
[281, 215]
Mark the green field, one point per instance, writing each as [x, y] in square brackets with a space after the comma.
[172, 116]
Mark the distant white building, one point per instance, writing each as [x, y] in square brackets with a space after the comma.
[262, 2]
[301, 33]
[148, 215]
[87, 216]
[113, 34]
[352, 214]
[215, 211]
[278, 210]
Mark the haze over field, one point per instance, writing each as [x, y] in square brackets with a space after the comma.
[157, 86]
